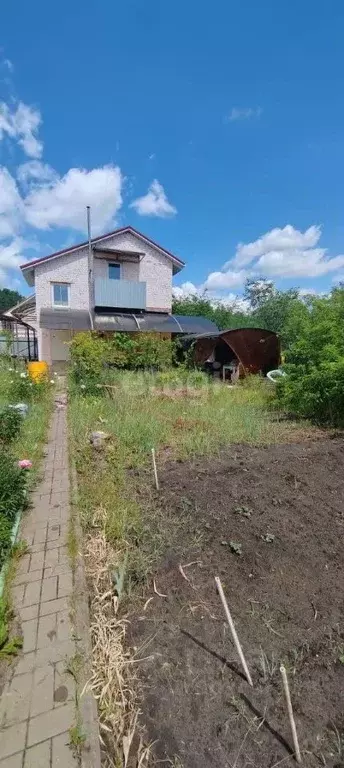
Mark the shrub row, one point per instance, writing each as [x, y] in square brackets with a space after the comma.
[92, 355]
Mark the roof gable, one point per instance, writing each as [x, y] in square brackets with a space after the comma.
[97, 241]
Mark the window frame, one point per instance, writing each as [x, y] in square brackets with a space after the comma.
[114, 264]
[64, 285]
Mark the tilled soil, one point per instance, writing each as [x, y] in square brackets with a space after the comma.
[283, 507]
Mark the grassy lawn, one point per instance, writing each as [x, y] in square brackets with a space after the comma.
[119, 508]
[145, 413]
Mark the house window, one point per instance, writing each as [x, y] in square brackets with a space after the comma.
[114, 271]
[60, 294]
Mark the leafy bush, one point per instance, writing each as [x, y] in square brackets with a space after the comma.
[316, 394]
[5, 538]
[314, 385]
[150, 350]
[24, 389]
[10, 423]
[12, 486]
[92, 355]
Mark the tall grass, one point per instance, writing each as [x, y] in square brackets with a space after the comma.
[200, 423]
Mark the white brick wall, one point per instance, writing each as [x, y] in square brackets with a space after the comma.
[129, 270]
[155, 269]
[71, 268]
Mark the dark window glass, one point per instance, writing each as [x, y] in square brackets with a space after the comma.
[114, 271]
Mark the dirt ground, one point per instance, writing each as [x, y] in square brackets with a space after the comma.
[284, 508]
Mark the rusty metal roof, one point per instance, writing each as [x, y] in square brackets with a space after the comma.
[256, 348]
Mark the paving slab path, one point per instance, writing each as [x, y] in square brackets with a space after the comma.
[38, 703]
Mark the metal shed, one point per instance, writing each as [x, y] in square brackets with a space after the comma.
[256, 349]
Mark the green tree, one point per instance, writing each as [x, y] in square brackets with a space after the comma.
[224, 317]
[257, 292]
[9, 299]
[275, 312]
[314, 385]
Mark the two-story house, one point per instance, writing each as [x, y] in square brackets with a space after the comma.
[121, 281]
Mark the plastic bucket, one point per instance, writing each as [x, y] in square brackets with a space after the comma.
[38, 370]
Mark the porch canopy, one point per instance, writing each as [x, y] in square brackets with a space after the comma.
[80, 320]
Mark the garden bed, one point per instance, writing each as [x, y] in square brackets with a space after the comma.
[282, 506]
[22, 435]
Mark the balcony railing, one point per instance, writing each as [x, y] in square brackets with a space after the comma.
[119, 294]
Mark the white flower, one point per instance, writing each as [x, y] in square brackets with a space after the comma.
[55, 374]
[30, 384]
[52, 381]
[11, 369]
[23, 375]
[82, 386]
[11, 382]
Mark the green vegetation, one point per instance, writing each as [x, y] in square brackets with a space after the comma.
[93, 356]
[20, 438]
[10, 423]
[268, 308]
[9, 299]
[312, 335]
[314, 385]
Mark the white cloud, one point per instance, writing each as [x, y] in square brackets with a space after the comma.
[307, 292]
[36, 173]
[21, 124]
[230, 301]
[243, 113]
[298, 263]
[8, 64]
[154, 203]
[11, 205]
[227, 279]
[280, 253]
[11, 256]
[277, 240]
[186, 290]
[63, 203]
[233, 301]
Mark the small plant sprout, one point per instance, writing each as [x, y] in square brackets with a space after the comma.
[235, 547]
[243, 511]
[269, 538]
[233, 630]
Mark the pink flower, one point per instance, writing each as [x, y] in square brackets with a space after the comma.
[25, 464]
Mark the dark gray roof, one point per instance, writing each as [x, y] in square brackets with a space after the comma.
[79, 320]
[154, 321]
[65, 319]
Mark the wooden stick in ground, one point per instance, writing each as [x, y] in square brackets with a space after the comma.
[155, 470]
[233, 631]
[290, 713]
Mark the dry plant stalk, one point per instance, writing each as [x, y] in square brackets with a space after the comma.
[290, 713]
[113, 682]
[233, 631]
[155, 469]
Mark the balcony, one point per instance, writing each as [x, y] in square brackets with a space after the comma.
[119, 294]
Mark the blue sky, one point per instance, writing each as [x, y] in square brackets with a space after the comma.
[234, 111]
